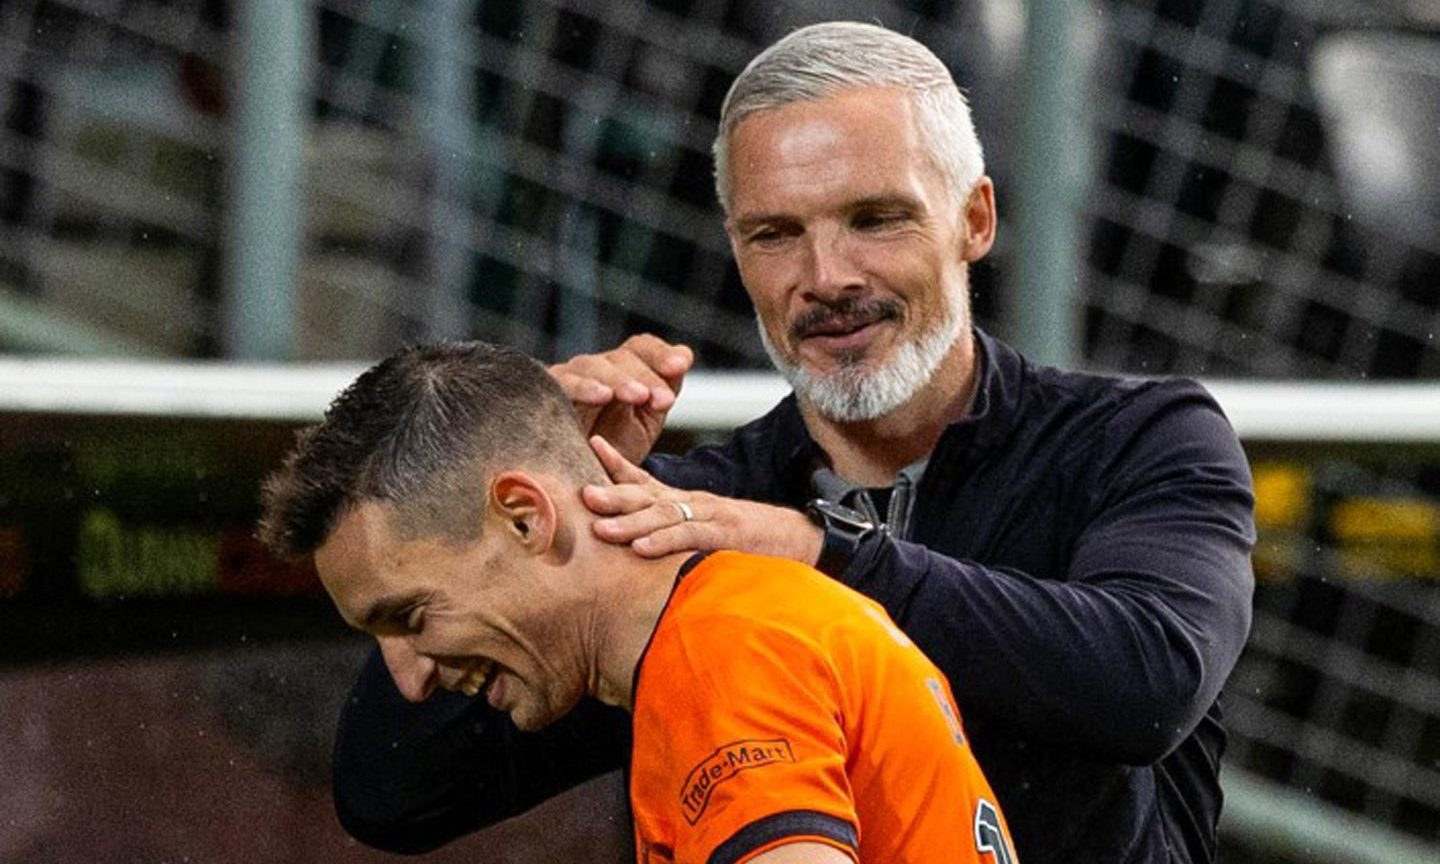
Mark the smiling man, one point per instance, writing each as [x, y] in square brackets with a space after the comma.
[778, 716]
[1071, 549]
[798, 221]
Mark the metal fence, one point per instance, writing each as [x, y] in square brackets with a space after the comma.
[1268, 198]
[1261, 199]
[1337, 697]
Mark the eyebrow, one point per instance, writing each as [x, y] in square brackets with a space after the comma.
[880, 202]
[755, 220]
[872, 202]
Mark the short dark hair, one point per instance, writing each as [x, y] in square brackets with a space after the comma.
[422, 431]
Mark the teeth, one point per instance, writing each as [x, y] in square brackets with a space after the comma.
[475, 681]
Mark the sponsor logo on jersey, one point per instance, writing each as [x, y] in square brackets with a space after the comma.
[725, 763]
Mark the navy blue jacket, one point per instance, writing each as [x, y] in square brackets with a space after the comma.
[1077, 564]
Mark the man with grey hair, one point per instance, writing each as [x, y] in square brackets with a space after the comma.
[1071, 550]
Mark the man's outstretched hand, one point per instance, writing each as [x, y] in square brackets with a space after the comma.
[656, 520]
[623, 395]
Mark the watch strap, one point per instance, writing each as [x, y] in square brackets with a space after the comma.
[844, 530]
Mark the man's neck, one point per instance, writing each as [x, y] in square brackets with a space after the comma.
[872, 452]
[627, 613]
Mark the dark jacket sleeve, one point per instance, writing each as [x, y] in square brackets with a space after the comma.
[411, 777]
[1126, 651]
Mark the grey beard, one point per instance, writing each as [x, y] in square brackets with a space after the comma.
[854, 393]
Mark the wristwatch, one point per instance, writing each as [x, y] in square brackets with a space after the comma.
[844, 529]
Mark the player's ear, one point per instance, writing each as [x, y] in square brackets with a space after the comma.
[980, 221]
[524, 510]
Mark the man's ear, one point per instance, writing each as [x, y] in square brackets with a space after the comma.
[980, 221]
[525, 510]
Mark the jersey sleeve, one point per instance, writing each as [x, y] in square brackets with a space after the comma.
[746, 742]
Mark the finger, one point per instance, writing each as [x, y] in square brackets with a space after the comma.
[630, 527]
[620, 469]
[669, 362]
[663, 358]
[685, 537]
[616, 375]
[679, 361]
[582, 389]
[616, 500]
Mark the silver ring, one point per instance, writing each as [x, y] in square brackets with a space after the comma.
[686, 514]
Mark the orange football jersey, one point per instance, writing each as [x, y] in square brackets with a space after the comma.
[775, 705]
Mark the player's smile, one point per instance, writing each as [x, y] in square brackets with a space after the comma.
[486, 678]
[476, 678]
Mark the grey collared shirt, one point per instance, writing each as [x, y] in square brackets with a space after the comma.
[898, 501]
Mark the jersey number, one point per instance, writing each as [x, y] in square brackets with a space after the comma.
[990, 834]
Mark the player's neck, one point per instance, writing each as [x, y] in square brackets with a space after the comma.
[630, 608]
[872, 452]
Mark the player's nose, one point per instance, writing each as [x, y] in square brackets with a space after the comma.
[830, 268]
[414, 673]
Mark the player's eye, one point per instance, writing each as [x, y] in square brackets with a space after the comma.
[878, 219]
[767, 237]
[413, 619]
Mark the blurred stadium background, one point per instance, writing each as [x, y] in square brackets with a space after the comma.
[212, 212]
